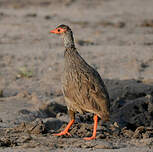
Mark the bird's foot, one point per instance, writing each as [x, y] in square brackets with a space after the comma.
[90, 138]
[62, 133]
[65, 131]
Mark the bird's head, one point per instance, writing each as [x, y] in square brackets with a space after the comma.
[61, 29]
[66, 33]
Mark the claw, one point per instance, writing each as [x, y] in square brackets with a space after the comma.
[65, 132]
[62, 133]
[89, 138]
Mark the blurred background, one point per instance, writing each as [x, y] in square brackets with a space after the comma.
[114, 36]
[106, 32]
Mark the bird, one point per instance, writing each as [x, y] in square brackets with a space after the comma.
[82, 86]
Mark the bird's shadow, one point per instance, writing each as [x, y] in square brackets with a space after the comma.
[131, 104]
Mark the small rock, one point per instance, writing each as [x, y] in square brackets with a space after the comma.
[119, 24]
[31, 15]
[47, 17]
[24, 139]
[24, 111]
[29, 145]
[138, 132]
[101, 136]
[145, 135]
[104, 146]
[1, 14]
[1, 93]
[140, 129]
[148, 141]
[53, 124]
[23, 94]
[45, 3]
[1, 120]
[85, 42]
[116, 125]
[116, 132]
[127, 133]
[37, 127]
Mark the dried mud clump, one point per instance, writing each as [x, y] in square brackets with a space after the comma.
[143, 132]
[35, 127]
[131, 103]
[6, 142]
[21, 134]
[136, 113]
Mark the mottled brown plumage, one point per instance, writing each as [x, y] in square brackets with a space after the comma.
[83, 88]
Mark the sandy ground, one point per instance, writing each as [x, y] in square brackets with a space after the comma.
[114, 36]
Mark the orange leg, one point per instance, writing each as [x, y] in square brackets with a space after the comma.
[94, 129]
[65, 131]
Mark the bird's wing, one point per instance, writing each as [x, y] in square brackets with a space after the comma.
[87, 91]
[95, 87]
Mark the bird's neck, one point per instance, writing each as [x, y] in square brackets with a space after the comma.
[72, 57]
[68, 40]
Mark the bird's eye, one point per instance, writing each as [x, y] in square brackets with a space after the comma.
[58, 30]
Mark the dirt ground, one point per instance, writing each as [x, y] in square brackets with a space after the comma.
[114, 36]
